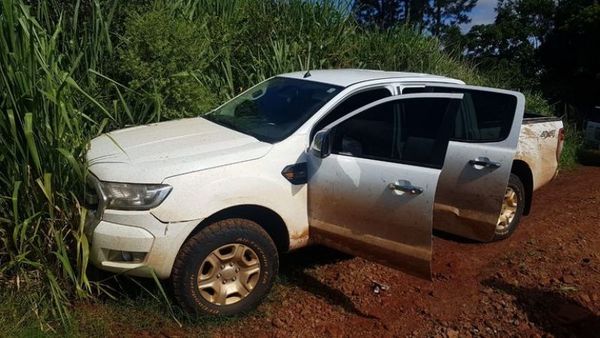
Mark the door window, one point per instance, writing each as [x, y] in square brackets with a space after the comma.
[412, 131]
[350, 104]
[482, 117]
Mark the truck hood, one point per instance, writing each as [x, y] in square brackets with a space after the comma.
[151, 153]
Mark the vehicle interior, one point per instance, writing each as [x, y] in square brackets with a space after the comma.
[412, 131]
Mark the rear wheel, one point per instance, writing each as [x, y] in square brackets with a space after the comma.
[513, 205]
[225, 269]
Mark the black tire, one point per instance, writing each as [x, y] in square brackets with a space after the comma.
[516, 185]
[184, 276]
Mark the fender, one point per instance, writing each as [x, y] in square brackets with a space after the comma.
[198, 195]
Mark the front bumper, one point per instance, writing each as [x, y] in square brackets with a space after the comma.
[135, 242]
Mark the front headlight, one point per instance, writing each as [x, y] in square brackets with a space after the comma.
[128, 196]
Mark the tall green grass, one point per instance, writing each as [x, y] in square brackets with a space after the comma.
[70, 70]
[44, 128]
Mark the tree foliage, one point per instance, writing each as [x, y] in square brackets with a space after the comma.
[570, 56]
[508, 46]
[542, 44]
[433, 16]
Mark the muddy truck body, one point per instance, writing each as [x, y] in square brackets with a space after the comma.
[367, 162]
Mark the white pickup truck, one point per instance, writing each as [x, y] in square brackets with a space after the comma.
[368, 162]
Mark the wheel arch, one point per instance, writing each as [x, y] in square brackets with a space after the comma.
[523, 171]
[266, 218]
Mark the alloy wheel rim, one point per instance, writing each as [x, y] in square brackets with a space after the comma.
[508, 212]
[228, 274]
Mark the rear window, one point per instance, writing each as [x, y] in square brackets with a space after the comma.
[483, 116]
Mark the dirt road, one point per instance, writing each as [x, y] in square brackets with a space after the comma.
[544, 281]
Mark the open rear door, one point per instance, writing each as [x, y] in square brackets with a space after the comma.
[373, 176]
[479, 159]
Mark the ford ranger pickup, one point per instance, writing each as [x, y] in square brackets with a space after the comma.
[366, 162]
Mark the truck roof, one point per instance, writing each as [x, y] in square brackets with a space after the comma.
[348, 77]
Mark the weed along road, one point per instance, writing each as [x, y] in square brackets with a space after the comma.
[543, 281]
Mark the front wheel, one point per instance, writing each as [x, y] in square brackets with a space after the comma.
[512, 208]
[225, 269]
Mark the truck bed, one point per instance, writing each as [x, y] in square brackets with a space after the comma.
[539, 146]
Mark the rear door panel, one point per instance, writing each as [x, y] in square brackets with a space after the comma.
[469, 199]
[469, 196]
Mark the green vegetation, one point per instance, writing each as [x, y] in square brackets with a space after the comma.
[572, 146]
[46, 121]
[152, 58]
[72, 70]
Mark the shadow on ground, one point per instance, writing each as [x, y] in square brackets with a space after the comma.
[310, 257]
[551, 311]
[293, 273]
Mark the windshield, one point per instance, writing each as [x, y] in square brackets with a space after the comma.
[274, 109]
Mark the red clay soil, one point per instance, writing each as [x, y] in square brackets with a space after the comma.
[542, 282]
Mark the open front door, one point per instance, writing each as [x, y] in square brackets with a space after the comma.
[479, 160]
[373, 176]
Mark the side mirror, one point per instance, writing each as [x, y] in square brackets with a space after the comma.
[320, 144]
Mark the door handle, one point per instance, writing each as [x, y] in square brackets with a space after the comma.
[405, 186]
[484, 162]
